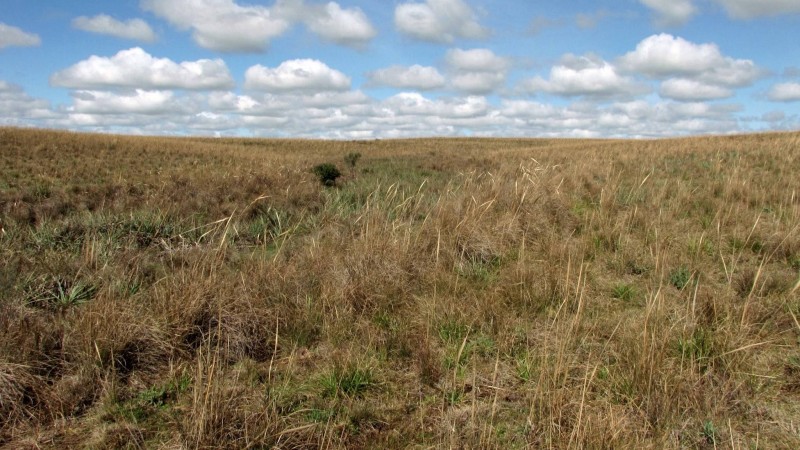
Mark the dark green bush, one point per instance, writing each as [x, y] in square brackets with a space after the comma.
[327, 173]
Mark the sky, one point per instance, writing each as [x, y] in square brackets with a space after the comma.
[367, 69]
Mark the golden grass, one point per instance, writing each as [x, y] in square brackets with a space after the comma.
[473, 293]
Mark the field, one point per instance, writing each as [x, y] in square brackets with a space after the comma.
[450, 293]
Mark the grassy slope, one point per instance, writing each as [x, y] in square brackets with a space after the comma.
[455, 293]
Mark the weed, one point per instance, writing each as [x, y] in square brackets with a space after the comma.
[697, 348]
[705, 247]
[679, 277]
[320, 415]
[452, 332]
[623, 291]
[480, 270]
[453, 397]
[153, 400]
[525, 367]
[483, 345]
[385, 321]
[710, 433]
[60, 293]
[351, 159]
[351, 382]
[635, 267]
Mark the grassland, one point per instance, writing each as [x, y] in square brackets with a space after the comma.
[458, 293]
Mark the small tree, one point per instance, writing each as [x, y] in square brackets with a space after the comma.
[327, 174]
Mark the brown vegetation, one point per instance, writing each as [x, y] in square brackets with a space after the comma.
[474, 293]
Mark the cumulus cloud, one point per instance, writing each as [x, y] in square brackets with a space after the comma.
[414, 77]
[136, 29]
[439, 21]
[692, 90]
[664, 55]
[476, 60]
[16, 106]
[342, 26]
[11, 36]
[478, 82]
[636, 118]
[138, 101]
[283, 104]
[584, 76]
[352, 114]
[135, 68]
[476, 71]
[222, 25]
[414, 104]
[308, 75]
[671, 12]
[227, 26]
[749, 9]
[784, 92]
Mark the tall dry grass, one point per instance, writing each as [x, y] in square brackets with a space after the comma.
[204, 293]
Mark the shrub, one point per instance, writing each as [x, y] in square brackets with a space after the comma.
[327, 173]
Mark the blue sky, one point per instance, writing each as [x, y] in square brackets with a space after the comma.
[365, 69]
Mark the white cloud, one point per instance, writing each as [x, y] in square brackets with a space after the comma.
[222, 25]
[351, 114]
[138, 101]
[414, 104]
[135, 68]
[136, 29]
[664, 55]
[476, 60]
[342, 26]
[749, 9]
[478, 82]
[692, 90]
[14, 37]
[415, 77]
[476, 71]
[527, 109]
[584, 76]
[438, 21]
[733, 73]
[16, 106]
[227, 26]
[671, 12]
[636, 118]
[285, 104]
[785, 92]
[308, 75]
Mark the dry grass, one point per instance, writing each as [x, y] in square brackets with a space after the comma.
[210, 293]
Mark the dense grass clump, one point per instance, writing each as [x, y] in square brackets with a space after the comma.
[327, 173]
[451, 293]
